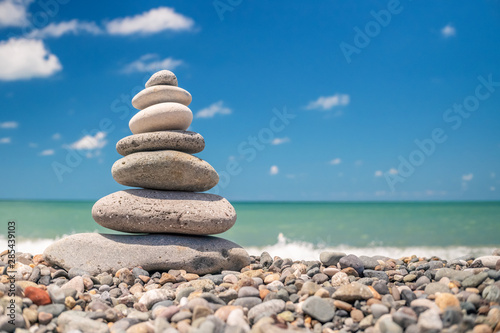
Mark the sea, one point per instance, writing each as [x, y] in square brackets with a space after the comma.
[298, 230]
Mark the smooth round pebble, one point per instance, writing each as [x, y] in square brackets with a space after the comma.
[161, 117]
[161, 94]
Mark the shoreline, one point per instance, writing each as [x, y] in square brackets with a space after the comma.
[301, 250]
[332, 293]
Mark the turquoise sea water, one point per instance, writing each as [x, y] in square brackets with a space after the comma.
[300, 229]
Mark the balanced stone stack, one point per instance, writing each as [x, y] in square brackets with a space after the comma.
[169, 213]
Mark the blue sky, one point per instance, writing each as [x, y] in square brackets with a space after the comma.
[330, 100]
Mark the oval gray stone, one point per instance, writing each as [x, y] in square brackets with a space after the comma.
[98, 253]
[161, 94]
[167, 170]
[162, 77]
[161, 117]
[152, 211]
[318, 308]
[185, 141]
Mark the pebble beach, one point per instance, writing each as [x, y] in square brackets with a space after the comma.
[336, 293]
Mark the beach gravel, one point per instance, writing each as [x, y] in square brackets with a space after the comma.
[258, 294]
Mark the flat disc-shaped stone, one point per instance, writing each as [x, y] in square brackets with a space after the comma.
[161, 117]
[152, 211]
[97, 253]
[161, 94]
[162, 77]
[185, 141]
[167, 170]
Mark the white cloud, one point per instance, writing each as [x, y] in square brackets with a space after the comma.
[47, 152]
[492, 188]
[57, 30]
[493, 175]
[274, 170]
[467, 177]
[393, 171]
[5, 140]
[151, 63]
[358, 163]
[26, 59]
[89, 142]
[212, 110]
[448, 31]
[328, 102]
[336, 161]
[279, 141]
[13, 13]
[56, 136]
[379, 173]
[153, 21]
[9, 124]
[32, 145]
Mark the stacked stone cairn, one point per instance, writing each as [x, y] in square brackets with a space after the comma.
[169, 218]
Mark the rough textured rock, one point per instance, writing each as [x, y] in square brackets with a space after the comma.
[161, 117]
[161, 94]
[163, 77]
[152, 211]
[97, 253]
[166, 170]
[185, 141]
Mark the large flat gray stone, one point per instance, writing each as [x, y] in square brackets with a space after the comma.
[152, 211]
[161, 117]
[160, 94]
[185, 141]
[98, 253]
[166, 170]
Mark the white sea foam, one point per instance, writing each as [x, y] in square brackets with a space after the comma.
[298, 250]
[33, 246]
